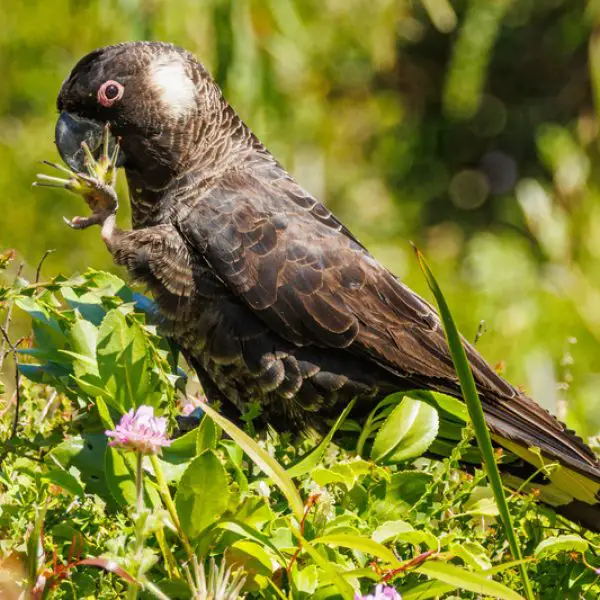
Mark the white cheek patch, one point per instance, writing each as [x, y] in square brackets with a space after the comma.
[175, 90]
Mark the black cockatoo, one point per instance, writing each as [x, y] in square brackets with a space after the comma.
[266, 293]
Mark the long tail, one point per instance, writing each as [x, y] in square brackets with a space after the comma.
[555, 462]
[551, 457]
[568, 482]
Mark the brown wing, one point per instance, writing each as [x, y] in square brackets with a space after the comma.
[314, 284]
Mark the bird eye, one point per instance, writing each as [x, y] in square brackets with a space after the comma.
[109, 92]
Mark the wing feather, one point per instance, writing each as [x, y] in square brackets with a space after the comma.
[313, 283]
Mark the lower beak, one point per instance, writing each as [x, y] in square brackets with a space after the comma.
[70, 133]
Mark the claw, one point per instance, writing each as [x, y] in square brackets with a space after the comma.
[96, 186]
[47, 185]
[57, 167]
[61, 182]
[83, 222]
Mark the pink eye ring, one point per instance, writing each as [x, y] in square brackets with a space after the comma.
[109, 92]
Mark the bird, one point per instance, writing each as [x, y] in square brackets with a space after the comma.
[270, 298]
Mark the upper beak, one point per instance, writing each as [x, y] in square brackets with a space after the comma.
[71, 131]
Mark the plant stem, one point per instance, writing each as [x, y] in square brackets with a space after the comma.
[165, 494]
[139, 483]
[133, 588]
[155, 591]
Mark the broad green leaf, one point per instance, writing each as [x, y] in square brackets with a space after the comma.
[181, 449]
[406, 433]
[203, 494]
[347, 473]
[485, 507]
[307, 579]
[453, 406]
[236, 456]
[467, 580]
[174, 459]
[207, 436]
[390, 529]
[82, 365]
[83, 336]
[86, 453]
[37, 311]
[122, 361]
[416, 538]
[262, 459]
[120, 477]
[335, 474]
[251, 556]
[407, 486]
[88, 304]
[561, 543]
[472, 554]
[65, 480]
[254, 511]
[404, 490]
[91, 388]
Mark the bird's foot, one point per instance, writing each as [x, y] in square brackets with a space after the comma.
[96, 186]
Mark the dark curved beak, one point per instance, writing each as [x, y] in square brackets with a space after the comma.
[71, 131]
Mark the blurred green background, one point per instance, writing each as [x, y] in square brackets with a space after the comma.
[467, 126]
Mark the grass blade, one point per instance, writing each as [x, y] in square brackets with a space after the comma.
[311, 461]
[261, 458]
[471, 397]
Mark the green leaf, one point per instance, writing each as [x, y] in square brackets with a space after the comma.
[390, 529]
[406, 433]
[467, 580]
[561, 543]
[251, 556]
[247, 531]
[485, 507]
[472, 554]
[122, 361]
[202, 495]
[174, 459]
[207, 436]
[446, 403]
[262, 459]
[347, 473]
[363, 544]
[120, 477]
[416, 538]
[307, 579]
[83, 337]
[471, 397]
[65, 480]
[435, 589]
[336, 474]
[89, 304]
[329, 569]
[35, 545]
[407, 486]
[86, 453]
[181, 449]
